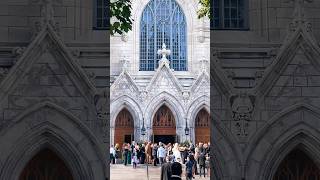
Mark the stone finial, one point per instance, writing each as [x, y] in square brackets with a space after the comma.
[164, 52]
[204, 64]
[125, 63]
[47, 14]
[299, 15]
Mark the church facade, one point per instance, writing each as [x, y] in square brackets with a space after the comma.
[265, 68]
[53, 85]
[159, 100]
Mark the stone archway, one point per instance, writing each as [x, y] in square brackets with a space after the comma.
[46, 165]
[164, 126]
[202, 126]
[297, 166]
[124, 127]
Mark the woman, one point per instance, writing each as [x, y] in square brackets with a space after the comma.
[149, 152]
[176, 153]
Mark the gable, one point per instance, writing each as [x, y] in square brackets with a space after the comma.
[46, 72]
[298, 81]
[164, 80]
[299, 53]
[124, 84]
[201, 85]
[48, 56]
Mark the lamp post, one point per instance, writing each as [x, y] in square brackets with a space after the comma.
[143, 133]
[186, 129]
[143, 129]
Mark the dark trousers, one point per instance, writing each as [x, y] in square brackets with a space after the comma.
[112, 159]
[125, 159]
[204, 170]
[155, 160]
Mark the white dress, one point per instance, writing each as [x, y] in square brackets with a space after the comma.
[177, 155]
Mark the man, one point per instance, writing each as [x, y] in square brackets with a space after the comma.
[189, 168]
[154, 154]
[161, 153]
[166, 169]
[112, 155]
[176, 170]
[202, 163]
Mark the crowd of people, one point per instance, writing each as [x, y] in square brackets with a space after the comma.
[195, 158]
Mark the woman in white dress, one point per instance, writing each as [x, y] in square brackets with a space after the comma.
[176, 153]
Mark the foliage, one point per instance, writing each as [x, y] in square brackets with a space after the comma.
[186, 143]
[205, 9]
[120, 13]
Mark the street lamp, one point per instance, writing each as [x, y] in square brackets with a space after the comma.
[143, 129]
[186, 129]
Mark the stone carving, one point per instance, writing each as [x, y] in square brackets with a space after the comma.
[3, 72]
[299, 14]
[164, 52]
[101, 104]
[242, 106]
[47, 16]
[17, 53]
[125, 63]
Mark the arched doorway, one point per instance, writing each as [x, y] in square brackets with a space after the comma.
[124, 128]
[46, 165]
[164, 126]
[297, 166]
[202, 127]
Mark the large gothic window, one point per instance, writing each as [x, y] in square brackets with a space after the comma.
[163, 21]
[229, 14]
[101, 19]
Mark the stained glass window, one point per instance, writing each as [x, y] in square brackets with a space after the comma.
[229, 14]
[101, 15]
[163, 21]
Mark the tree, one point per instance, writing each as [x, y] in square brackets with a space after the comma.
[205, 9]
[120, 13]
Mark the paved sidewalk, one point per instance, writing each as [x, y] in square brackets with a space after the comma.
[121, 172]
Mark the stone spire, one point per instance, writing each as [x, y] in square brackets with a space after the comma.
[164, 52]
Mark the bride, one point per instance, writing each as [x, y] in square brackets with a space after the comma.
[176, 152]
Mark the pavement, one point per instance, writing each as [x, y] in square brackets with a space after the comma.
[121, 172]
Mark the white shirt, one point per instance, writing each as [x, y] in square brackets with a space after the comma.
[161, 152]
[112, 151]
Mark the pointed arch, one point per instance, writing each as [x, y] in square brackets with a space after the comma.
[271, 144]
[225, 156]
[128, 102]
[124, 127]
[170, 101]
[46, 125]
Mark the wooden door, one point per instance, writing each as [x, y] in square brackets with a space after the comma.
[124, 127]
[164, 122]
[202, 127]
[46, 165]
[297, 166]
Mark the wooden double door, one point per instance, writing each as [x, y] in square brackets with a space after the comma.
[124, 128]
[202, 127]
[164, 126]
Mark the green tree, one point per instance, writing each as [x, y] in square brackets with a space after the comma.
[120, 13]
[205, 9]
